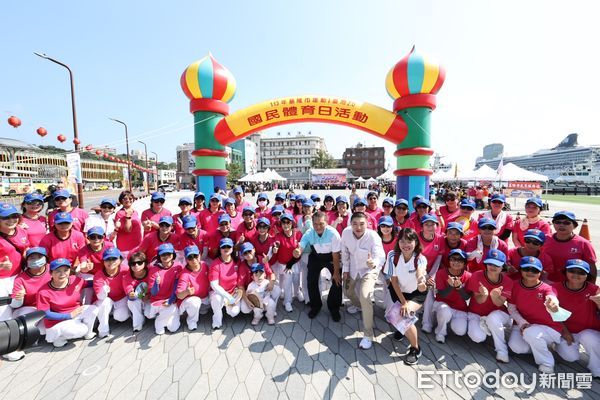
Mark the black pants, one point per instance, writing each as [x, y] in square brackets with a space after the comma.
[316, 262]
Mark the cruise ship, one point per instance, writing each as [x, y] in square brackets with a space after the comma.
[567, 162]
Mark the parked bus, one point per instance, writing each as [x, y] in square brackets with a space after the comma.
[14, 185]
[40, 185]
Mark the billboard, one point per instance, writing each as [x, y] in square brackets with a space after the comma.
[523, 189]
[250, 157]
[329, 177]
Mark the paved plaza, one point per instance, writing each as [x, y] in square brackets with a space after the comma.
[297, 358]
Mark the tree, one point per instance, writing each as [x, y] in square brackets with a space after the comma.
[235, 172]
[323, 160]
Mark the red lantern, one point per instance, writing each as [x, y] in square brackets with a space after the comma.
[76, 141]
[98, 152]
[105, 155]
[42, 131]
[14, 121]
[61, 138]
[88, 147]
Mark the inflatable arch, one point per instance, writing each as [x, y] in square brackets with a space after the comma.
[413, 83]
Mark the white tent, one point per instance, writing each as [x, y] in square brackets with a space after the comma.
[443, 176]
[371, 180]
[273, 175]
[485, 173]
[360, 179]
[387, 175]
[512, 172]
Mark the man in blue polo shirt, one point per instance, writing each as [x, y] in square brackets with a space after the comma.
[325, 246]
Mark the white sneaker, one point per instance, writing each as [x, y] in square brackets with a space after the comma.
[255, 321]
[102, 335]
[546, 369]
[352, 309]
[90, 335]
[59, 343]
[365, 343]
[288, 307]
[503, 358]
[192, 327]
[440, 339]
[271, 321]
[300, 296]
[14, 356]
[137, 328]
[426, 329]
[162, 332]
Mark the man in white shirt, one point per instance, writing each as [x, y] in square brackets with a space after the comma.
[362, 259]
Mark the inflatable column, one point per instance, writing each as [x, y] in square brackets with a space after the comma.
[413, 83]
[209, 86]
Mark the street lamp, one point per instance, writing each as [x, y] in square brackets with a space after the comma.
[75, 134]
[156, 160]
[147, 173]
[128, 157]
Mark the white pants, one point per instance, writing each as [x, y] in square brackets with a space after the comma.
[17, 312]
[118, 308]
[166, 317]
[87, 293]
[427, 319]
[137, 308]
[6, 288]
[300, 277]
[445, 314]
[74, 328]
[217, 302]
[268, 310]
[497, 323]
[191, 305]
[536, 339]
[286, 281]
[590, 340]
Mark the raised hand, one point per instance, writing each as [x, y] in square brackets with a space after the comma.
[370, 262]
[483, 290]
[297, 252]
[20, 295]
[191, 289]
[551, 304]
[496, 292]
[275, 247]
[6, 263]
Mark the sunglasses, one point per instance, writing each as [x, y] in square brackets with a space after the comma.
[247, 252]
[95, 237]
[247, 215]
[258, 272]
[164, 225]
[158, 201]
[562, 222]
[387, 206]
[371, 198]
[286, 221]
[576, 271]
[263, 226]
[166, 254]
[192, 256]
[107, 207]
[35, 203]
[466, 208]
[533, 241]
[497, 202]
[60, 199]
[460, 260]
[422, 206]
[184, 204]
[224, 224]
[402, 208]
[61, 223]
[226, 247]
[531, 270]
[138, 262]
[487, 228]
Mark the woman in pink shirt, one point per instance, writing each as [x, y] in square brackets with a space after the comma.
[152, 216]
[234, 214]
[63, 241]
[223, 279]
[128, 224]
[339, 220]
[185, 205]
[531, 220]
[31, 220]
[401, 215]
[62, 199]
[108, 286]
[193, 287]
[209, 217]
[135, 285]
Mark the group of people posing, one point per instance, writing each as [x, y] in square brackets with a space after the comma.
[527, 284]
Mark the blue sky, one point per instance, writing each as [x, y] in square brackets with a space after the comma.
[523, 73]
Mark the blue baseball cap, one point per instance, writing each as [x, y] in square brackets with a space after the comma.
[389, 201]
[197, 195]
[185, 200]
[292, 197]
[498, 197]
[372, 193]
[495, 257]
[315, 197]
[225, 242]
[565, 215]
[328, 197]
[486, 222]
[417, 197]
[577, 263]
[458, 252]
[280, 196]
[224, 218]
[238, 189]
[531, 262]
[286, 216]
[262, 196]
[385, 220]
[401, 202]
[456, 225]
[263, 220]
[300, 197]
[342, 199]
[31, 197]
[36, 250]
[157, 196]
[215, 196]
[535, 200]
[277, 209]
[108, 201]
[61, 193]
[189, 221]
[421, 202]
[95, 230]
[190, 250]
[165, 248]
[62, 217]
[257, 267]
[360, 201]
[535, 234]
[249, 209]
[308, 203]
[246, 246]
[166, 219]
[467, 203]
[229, 200]
[111, 252]
[8, 209]
[428, 218]
[59, 262]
